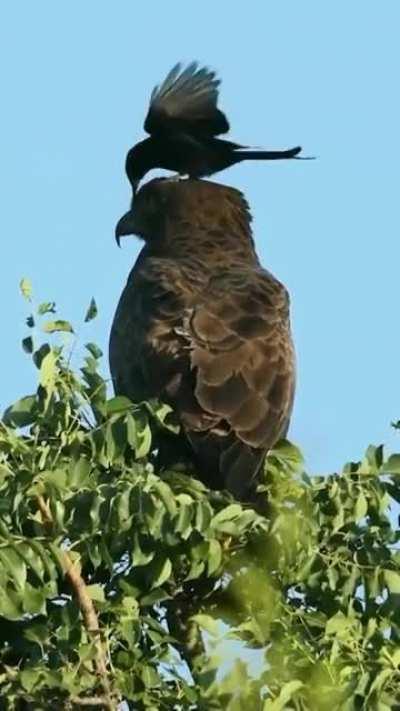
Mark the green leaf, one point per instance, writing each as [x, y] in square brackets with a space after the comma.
[155, 597]
[48, 371]
[227, 514]
[79, 473]
[392, 580]
[288, 454]
[22, 413]
[379, 681]
[333, 578]
[167, 496]
[46, 307]
[122, 503]
[131, 605]
[58, 325]
[208, 623]
[37, 633]
[141, 557]
[95, 351]
[184, 519]
[116, 438]
[40, 354]
[92, 311]
[96, 592]
[10, 604]
[26, 289]
[144, 442]
[164, 415]
[374, 455]
[27, 344]
[361, 507]
[286, 694]
[338, 624]
[392, 465]
[131, 430]
[214, 556]
[118, 404]
[58, 511]
[14, 566]
[29, 678]
[203, 516]
[55, 478]
[150, 677]
[163, 571]
[34, 600]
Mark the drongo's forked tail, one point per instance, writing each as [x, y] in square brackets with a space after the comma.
[273, 155]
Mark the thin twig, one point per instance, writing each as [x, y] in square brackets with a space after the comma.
[89, 615]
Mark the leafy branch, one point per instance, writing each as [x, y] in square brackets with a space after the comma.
[90, 619]
[170, 573]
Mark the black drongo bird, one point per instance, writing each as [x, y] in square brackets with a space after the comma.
[183, 120]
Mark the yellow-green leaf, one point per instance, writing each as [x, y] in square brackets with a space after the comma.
[26, 288]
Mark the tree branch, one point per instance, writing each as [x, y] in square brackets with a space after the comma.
[90, 619]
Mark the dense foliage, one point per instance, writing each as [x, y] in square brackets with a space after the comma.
[120, 582]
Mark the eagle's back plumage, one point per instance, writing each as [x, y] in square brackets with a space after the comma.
[202, 326]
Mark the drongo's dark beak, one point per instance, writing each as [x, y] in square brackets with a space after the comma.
[125, 226]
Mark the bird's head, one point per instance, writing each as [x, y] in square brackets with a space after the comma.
[164, 203]
[146, 215]
[139, 160]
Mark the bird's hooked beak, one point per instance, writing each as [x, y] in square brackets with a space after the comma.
[125, 226]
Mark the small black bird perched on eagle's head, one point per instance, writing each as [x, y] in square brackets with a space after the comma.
[183, 121]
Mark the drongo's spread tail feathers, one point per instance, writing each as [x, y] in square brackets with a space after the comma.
[183, 121]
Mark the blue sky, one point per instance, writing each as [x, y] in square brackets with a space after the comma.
[78, 76]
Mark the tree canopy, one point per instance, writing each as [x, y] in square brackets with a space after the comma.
[122, 582]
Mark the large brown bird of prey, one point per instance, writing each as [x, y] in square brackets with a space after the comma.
[202, 326]
[183, 121]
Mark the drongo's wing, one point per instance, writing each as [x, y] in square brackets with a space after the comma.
[186, 101]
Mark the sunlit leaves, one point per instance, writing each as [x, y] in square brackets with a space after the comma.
[313, 587]
[28, 577]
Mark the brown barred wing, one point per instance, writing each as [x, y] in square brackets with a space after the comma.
[242, 354]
